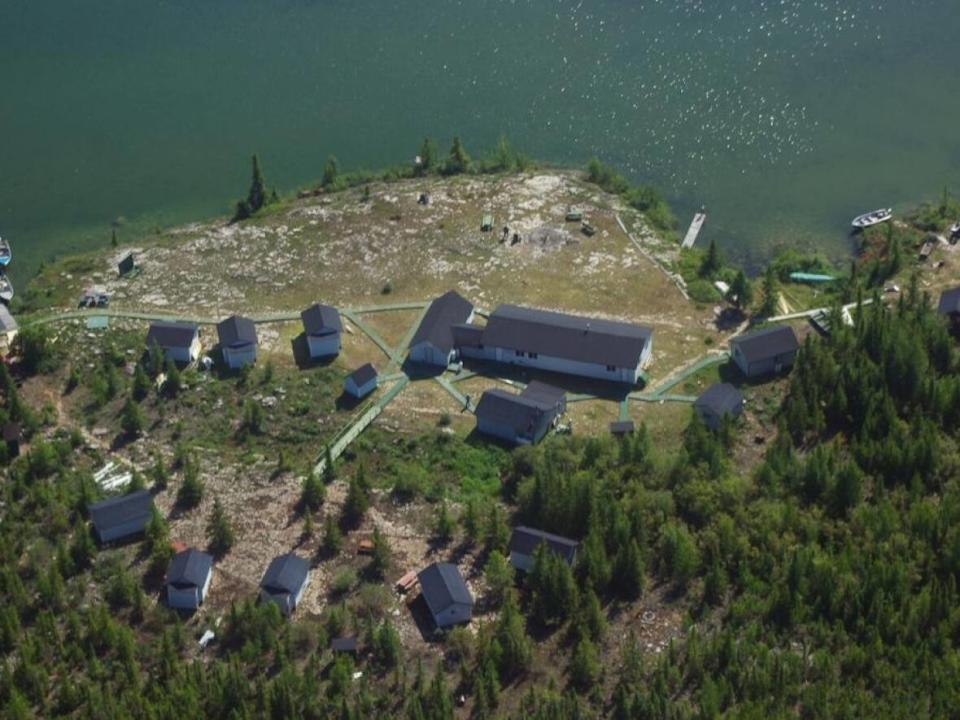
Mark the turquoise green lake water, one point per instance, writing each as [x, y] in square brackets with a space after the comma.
[784, 117]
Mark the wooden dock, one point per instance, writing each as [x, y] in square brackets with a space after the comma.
[695, 227]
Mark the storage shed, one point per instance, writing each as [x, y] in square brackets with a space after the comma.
[121, 517]
[524, 543]
[188, 579]
[284, 582]
[446, 594]
[238, 341]
[322, 327]
[179, 342]
[362, 381]
[766, 351]
[716, 402]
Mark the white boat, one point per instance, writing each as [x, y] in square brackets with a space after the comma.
[6, 288]
[874, 218]
[955, 229]
[6, 254]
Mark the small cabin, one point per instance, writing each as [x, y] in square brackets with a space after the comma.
[446, 594]
[179, 342]
[766, 351]
[433, 343]
[284, 582]
[362, 381]
[524, 543]
[344, 645]
[486, 223]
[122, 517]
[322, 328]
[949, 304]
[718, 401]
[188, 579]
[521, 419]
[574, 215]
[238, 341]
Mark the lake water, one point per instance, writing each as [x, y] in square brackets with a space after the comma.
[784, 117]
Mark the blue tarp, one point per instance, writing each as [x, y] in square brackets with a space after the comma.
[811, 277]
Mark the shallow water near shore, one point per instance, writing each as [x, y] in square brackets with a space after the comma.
[784, 118]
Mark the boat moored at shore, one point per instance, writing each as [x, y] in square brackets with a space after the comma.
[6, 255]
[872, 218]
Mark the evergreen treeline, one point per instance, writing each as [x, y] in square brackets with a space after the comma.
[823, 585]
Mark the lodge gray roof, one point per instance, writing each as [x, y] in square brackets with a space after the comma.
[436, 328]
[286, 574]
[321, 320]
[767, 343]
[949, 302]
[467, 335]
[120, 510]
[525, 541]
[362, 375]
[237, 331]
[189, 568]
[442, 586]
[570, 337]
[720, 399]
[171, 334]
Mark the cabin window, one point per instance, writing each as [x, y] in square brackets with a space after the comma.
[534, 355]
[611, 368]
[480, 346]
[518, 353]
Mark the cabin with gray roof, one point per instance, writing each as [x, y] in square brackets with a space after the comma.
[179, 342]
[521, 419]
[362, 381]
[950, 303]
[558, 342]
[446, 594]
[433, 342]
[238, 341]
[122, 517]
[284, 582]
[322, 328]
[718, 401]
[524, 543]
[766, 351]
[188, 579]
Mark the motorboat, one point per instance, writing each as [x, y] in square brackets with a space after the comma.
[873, 218]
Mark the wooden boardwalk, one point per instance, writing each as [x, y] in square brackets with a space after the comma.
[695, 227]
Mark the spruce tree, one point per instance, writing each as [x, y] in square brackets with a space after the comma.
[131, 419]
[141, 383]
[257, 197]
[741, 291]
[220, 535]
[191, 489]
[459, 161]
[443, 524]
[771, 294]
[313, 493]
[357, 501]
[380, 557]
[332, 537]
[712, 262]
[428, 155]
[331, 172]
